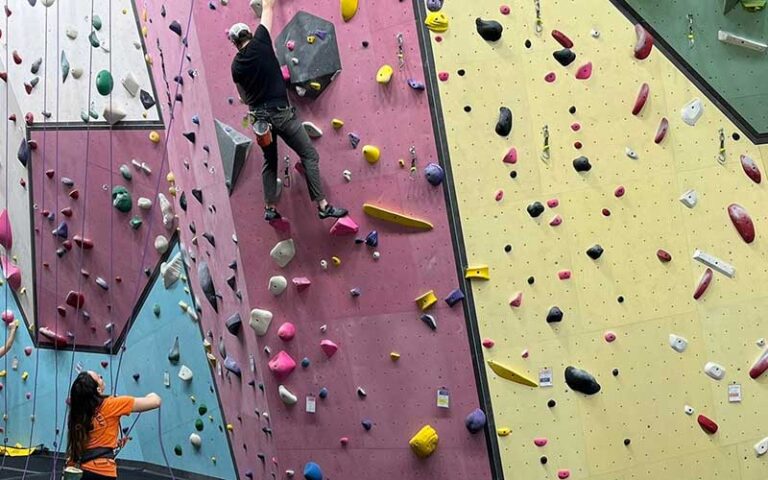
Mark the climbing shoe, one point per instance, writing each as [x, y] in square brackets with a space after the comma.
[271, 213]
[331, 211]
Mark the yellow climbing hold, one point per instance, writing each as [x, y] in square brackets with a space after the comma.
[144, 31]
[401, 162]
[148, 59]
[372, 154]
[336, 261]
[154, 137]
[480, 271]
[384, 75]
[348, 9]
[3, 373]
[172, 191]
[505, 372]
[394, 356]
[398, 218]
[230, 427]
[424, 442]
[25, 376]
[170, 178]
[427, 300]
[337, 124]
[503, 431]
[144, 15]
[437, 22]
[315, 85]
[211, 359]
[311, 39]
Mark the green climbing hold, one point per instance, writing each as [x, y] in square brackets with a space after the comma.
[104, 82]
[199, 425]
[156, 310]
[177, 450]
[84, 116]
[96, 22]
[136, 223]
[202, 410]
[95, 42]
[126, 172]
[121, 199]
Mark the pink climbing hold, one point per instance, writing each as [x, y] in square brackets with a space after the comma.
[553, 202]
[281, 225]
[550, 77]
[564, 274]
[329, 348]
[286, 332]
[609, 336]
[57, 339]
[443, 76]
[282, 365]
[27, 351]
[286, 72]
[556, 220]
[290, 45]
[499, 195]
[619, 192]
[8, 317]
[488, 343]
[344, 441]
[301, 283]
[12, 272]
[504, 9]
[75, 299]
[563, 474]
[511, 156]
[540, 441]
[517, 300]
[584, 71]
[344, 226]
[575, 127]
[6, 234]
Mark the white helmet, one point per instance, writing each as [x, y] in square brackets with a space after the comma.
[236, 30]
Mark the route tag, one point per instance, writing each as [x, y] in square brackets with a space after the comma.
[443, 398]
[311, 404]
[545, 377]
[734, 393]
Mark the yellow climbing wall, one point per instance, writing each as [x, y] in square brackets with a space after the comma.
[645, 402]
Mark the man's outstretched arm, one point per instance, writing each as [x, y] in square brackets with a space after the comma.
[267, 14]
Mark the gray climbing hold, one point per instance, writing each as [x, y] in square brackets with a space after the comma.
[581, 164]
[36, 66]
[504, 125]
[195, 440]
[185, 374]
[206, 284]
[233, 148]
[64, 67]
[25, 152]
[131, 84]
[234, 323]
[490, 30]
[434, 5]
[174, 354]
[535, 209]
[126, 172]
[161, 244]
[581, 381]
[71, 33]
[554, 315]
[595, 252]
[113, 114]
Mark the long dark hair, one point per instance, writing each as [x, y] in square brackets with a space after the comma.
[84, 399]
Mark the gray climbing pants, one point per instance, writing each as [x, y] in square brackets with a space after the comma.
[287, 126]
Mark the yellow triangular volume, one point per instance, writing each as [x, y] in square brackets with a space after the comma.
[505, 372]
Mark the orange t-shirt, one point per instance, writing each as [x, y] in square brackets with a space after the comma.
[106, 430]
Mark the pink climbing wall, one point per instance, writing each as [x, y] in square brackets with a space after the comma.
[401, 396]
[118, 251]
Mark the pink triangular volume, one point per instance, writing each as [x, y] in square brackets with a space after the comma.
[12, 273]
[344, 226]
[6, 234]
[329, 348]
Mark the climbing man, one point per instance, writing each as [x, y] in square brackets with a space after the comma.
[259, 80]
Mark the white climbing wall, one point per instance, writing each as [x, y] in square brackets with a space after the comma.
[27, 30]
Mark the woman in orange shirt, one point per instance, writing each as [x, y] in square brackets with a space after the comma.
[94, 425]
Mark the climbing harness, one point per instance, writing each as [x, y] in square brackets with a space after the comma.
[545, 149]
[400, 52]
[539, 24]
[691, 39]
[721, 154]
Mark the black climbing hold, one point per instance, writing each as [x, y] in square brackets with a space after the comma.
[543, 460]
[535, 209]
[206, 284]
[211, 239]
[620, 299]
[198, 194]
[177, 450]
[513, 174]
[136, 377]
[572, 110]
[429, 320]
[207, 149]
[582, 164]
[467, 108]
[554, 315]
[146, 99]
[564, 57]
[490, 30]
[507, 248]
[595, 252]
[531, 280]
[174, 354]
[365, 44]
[190, 136]
[527, 43]
[461, 72]
[183, 201]
[25, 152]
[551, 403]
[179, 98]
[193, 227]
[627, 442]
[162, 11]
[504, 125]
[232, 282]
[234, 323]
[581, 381]
[615, 372]
[175, 27]
[179, 79]
[736, 136]
[372, 239]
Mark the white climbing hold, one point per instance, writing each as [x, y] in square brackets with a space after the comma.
[323, 328]
[47, 3]
[76, 72]
[714, 370]
[161, 244]
[678, 343]
[312, 130]
[283, 252]
[761, 447]
[131, 84]
[71, 33]
[760, 342]
[166, 207]
[347, 175]
[595, 33]
[256, 6]
[185, 374]
[689, 198]
[714, 263]
[692, 111]
[324, 264]
[113, 114]
[689, 410]
[260, 320]
[195, 440]
[290, 473]
[144, 203]
[631, 153]
[286, 396]
[171, 270]
[376, 255]
[277, 285]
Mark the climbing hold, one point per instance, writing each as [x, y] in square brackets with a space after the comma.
[488, 343]
[234, 323]
[344, 226]
[481, 272]
[283, 252]
[426, 300]
[146, 100]
[191, 136]
[206, 285]
[384, 75]
[371, 154]
[177, 450]
[555, 315]
[562, 474]
[503, 431]
[104, 82]
[454, 297]
[595, 252]
[644, 42]
[761, 447]
[742, 222]
[516, 300]
[584, 71]
[171, 270]
[24, 153]
[11, 272]
[760, 365]
[286, 332]
[277, 285]
[562, 39]
[511, 156]
[64, 65]
[475, 421]
[535, 209]
[424, 442]
[75, 299]
[556, 220]
[436, 22]
[689, 198]
[504, 124]
[509, 374]
[619, 192]
[286, 396]
[398, 218]
[195, 440]
[751, 168]
[231, 366]
[564, 274]
[312, 470]
[663, 255]
[707, 424]
[348, 9]
[661, 132]
[6, 234]
[715, 371]
[490, 30]
[434, 174]
[609, 337]
[581, 381]
[367, 424]
[174, 354]
[581, 164]
[564, 57]
[704, 282]
[185, 374]
[328, 347]
[641, 99]
[312, 130]
[678, 343]
[175, 27]
[282, 365]
[430, 321]
[692, 111]
[550, 77]
[154, 137]
[540, 442]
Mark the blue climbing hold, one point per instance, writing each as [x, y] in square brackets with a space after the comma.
[231, 365]
[475, 421]
[454, 297]
[323, 392]
[312, 471]
[435, 174]
[367, 424]
[372, 239]
[196, 119]
[305, 362]
[62, 231]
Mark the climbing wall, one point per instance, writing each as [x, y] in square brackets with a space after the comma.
[400, 396]
[618, 310]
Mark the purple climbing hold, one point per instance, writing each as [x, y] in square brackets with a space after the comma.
[475, 421]
[367, 424]
[435, 174]
[62, 231]
[372, 239]
[416, 85]
[354, 140]
[231, 365]
[434, 5]
[454, 297]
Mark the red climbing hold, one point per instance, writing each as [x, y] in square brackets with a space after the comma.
[751, 169]
[74, 194]
[642, 97]
[84, 243]
[344, 226]
[564, 274]
[511, 156]
[75, 299]
[663, 255]
[742, 221]
[16, 57]
[606, 212]
[66, 211]
[704, 281]
[499, 195]
[707, 424]
[562, 39]
[50, 173]
[550, 77]
[661, 132]
[281, 225]
[504, 9]
[61, 310]
[29, 118]
[12, 117]
[488, 343]
[644, 43]
[443, 76]
[577, 145]
[4, 76]
[760, 365]
[584, 71]
[517, 300]
[575, 127]
[619, 192]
